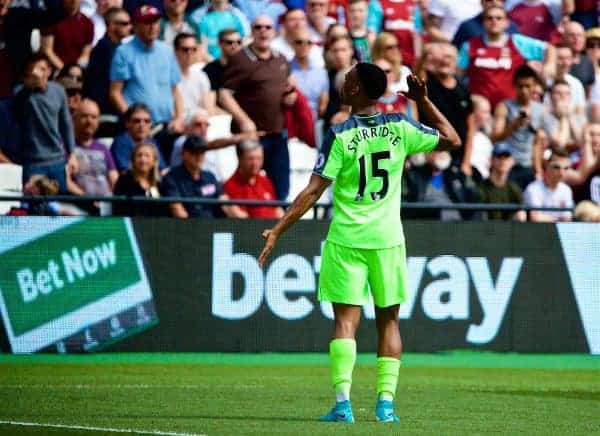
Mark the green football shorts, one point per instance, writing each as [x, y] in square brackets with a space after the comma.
[347, 273]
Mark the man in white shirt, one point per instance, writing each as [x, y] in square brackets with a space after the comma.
[551, 190]
[294, 20]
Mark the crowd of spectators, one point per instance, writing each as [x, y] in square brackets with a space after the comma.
[103, 97]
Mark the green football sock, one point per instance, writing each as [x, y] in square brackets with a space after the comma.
[387, 377]
[342, 353]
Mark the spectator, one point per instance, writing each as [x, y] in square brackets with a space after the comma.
[43, 117]
[93, 170]
[362, 37]
[140, 181]
[293, 21]
[69, 40]
[214, 17]
[39, 185]
[7, 74]
[73, 91]
[473, 27]
[97, 77]
[259, 78]
[592, 45]
[551, 190]
[482, 146]
[398, 18]
[585, 180]
[574, 37]
[498, 189]
[586, 211]
[446, 15]
[199, 126]
[539, 19]
[98, 16]
[339, 53]
[491, 61]
[565, 129]
[250, 183]
[145, 69]
[586, 13]
[564, 62]
[175, 22]
[318, 21]
[138, 122]
[454, 101]
[386, 47]
[521, 123]
[10, 132]
[311, 80]
[254, 8]
[189, 180]
[438, 181]
[194, 86]
[391, 101]
[230, 43]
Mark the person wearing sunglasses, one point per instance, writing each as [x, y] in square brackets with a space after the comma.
[551, 190]
[194, 86]
[230, 42]
[97, 79]
[293, 21]
[255, 85]
[214, 17]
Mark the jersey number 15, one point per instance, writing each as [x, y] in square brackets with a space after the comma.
[375, 172]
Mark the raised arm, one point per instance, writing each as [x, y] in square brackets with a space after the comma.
[302, 203]
[417, 91]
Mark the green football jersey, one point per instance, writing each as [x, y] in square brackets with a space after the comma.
[365, 157]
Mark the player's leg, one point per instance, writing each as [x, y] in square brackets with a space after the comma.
[389, 349]
[387, 277]
[343, 282]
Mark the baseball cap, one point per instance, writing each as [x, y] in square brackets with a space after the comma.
[195, 143]
[502, 149]
[146, 14]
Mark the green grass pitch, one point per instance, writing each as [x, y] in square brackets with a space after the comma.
[459, 393]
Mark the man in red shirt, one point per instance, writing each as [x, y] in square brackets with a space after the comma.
[491, 60]
[69, 41]
[250, 183]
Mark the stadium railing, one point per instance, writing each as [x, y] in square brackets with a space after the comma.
[321, 209]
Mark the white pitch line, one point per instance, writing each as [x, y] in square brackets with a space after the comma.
[105, 429]
[117, 386]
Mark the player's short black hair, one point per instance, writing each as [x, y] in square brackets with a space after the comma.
[372, 78]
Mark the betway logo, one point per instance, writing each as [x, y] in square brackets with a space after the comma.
[289, 278]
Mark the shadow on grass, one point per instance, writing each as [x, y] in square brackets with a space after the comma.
[566, 394]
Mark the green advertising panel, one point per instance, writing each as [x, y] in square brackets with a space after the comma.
[65, 277]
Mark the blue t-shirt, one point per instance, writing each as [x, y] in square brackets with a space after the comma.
[209, 23]
[123, 146]
[530, 48]
[180, 183]
[149, 75]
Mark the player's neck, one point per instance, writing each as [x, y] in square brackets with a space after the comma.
[365, 109]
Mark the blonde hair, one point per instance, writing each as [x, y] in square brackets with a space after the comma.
[587, 211]
[154, 176]
[378, 51]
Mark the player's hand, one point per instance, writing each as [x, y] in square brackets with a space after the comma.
[270, 241]
[417, 90]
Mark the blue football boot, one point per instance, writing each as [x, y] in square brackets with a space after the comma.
[384, 411]
[342, 412]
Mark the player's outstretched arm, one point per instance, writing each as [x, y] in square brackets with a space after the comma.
[417, 91]
[304, 201]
